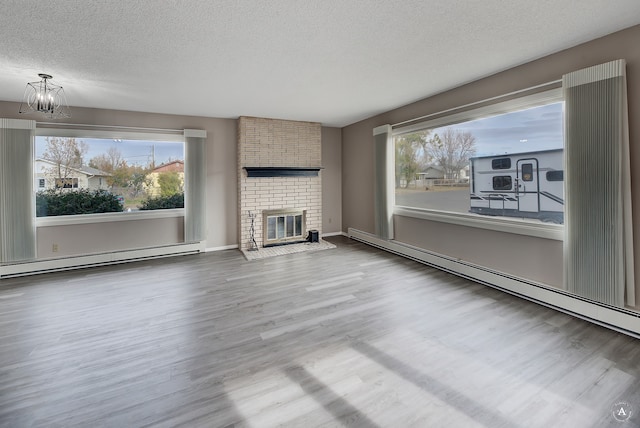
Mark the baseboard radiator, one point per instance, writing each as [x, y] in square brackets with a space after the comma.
[101, 259]
[622, 320]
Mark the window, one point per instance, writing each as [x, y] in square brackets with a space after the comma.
[527, 172]
[464, 162]
[66, 183]
[501, 163]
[502, 182]
[555, 175]
[95, 175]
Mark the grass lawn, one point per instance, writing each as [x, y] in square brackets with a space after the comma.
[133, 203]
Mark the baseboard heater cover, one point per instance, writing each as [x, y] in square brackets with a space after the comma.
[93, 260]
[621, 320]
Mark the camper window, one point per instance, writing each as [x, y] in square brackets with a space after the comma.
[527, 172]
[501, 163]
[555, 175]
[502, 182]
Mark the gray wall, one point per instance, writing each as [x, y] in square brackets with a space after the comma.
[523, 256]
[83, 239]
[331, 180]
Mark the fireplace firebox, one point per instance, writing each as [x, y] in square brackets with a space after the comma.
[284, 226]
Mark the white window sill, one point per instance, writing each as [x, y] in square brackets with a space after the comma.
[65, 220]
[500, 224]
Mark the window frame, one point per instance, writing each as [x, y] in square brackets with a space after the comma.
[553, 175]
[502, 181]
[79, 132]
[469, 113]
[66, 183]
[499, 163]
[527, 171]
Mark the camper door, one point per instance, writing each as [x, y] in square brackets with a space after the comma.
[527, 185]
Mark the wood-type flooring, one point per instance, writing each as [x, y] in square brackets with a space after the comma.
[351, 336]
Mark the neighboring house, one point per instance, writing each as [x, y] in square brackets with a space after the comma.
[435, 172]
[152, 187]
[83, 177]
[431, 171]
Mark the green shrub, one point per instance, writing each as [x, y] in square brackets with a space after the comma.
[82, 201]
[164, 202]
[169, 183]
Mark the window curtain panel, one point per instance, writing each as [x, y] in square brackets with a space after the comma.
[195, 177]
[384, 192]
[17, 200]
[598, 226]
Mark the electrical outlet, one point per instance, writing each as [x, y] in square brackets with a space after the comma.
[54, 248]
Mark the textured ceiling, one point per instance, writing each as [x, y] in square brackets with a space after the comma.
[330, 61]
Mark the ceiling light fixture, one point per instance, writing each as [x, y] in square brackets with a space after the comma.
[45, 97]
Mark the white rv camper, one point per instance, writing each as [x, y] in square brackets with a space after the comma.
[527, 185]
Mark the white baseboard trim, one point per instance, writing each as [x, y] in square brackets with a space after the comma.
[78, 262]
[334, 234]
[622, 320]
[224, 247]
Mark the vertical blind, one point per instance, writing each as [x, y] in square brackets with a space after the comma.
[195, 183]
[383, 181]
[17, 206]
[598, 227]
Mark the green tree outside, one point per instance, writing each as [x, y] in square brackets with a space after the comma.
[67, 154]
[410, 156]
[169, 183]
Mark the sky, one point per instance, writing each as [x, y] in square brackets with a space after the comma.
[537, 128]
[135, 152]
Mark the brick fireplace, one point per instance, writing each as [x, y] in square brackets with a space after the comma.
[278, 172]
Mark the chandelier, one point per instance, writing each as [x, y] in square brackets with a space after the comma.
[45, 97]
